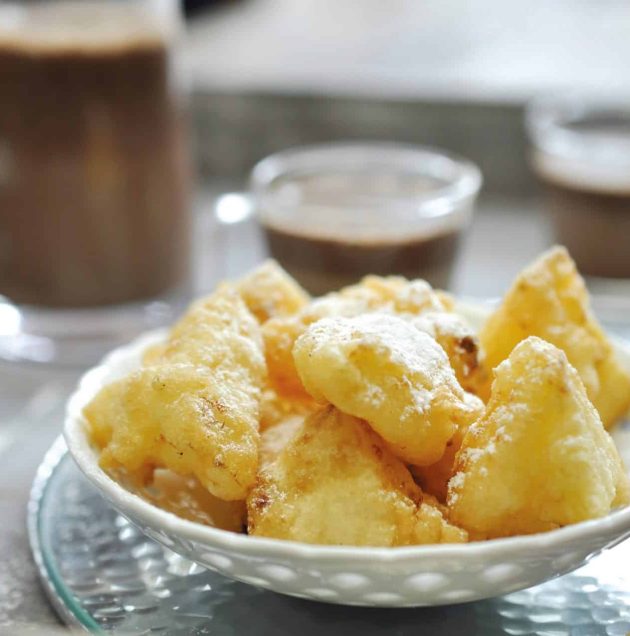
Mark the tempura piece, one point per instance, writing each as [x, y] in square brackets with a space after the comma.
[382, 369]
[335, 482]
[549, 300]
[433, 312]
[280, 334]
[269, 292]
[188, 499]
[196, 411]
[392, 295]
[539, 458]
[218, 333]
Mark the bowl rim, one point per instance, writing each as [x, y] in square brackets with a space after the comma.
[615, 525]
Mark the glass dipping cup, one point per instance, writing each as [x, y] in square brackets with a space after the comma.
[581, 153]
[335, 212]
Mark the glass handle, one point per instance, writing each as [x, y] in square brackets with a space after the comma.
[228, 240]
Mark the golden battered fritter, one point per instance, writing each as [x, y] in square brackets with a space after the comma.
[539, 458]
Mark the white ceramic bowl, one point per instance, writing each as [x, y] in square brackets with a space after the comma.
[388, 577]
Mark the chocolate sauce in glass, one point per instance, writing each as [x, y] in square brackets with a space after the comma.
[335, 228]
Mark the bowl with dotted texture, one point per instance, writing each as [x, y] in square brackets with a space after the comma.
[411, 576]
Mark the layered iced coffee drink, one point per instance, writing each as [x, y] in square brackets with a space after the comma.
[93, 168]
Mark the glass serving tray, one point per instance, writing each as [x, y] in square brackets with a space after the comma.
[103, 574]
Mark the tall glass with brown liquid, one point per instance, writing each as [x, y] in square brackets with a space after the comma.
[94, 179]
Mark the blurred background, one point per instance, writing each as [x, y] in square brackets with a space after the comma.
[456, 74]
[268, 74]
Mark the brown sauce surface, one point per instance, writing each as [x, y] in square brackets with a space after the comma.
[325, 264]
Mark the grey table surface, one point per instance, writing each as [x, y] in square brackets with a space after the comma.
[504, 236]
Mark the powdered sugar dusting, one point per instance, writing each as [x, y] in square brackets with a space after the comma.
[399, 342]
[381, 368]
[442, 322]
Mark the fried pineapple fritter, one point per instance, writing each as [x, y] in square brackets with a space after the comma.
[353, 419]
[382, 369]
[335, 482]
[218, 333]
[269, 292]
[539, 458]
[549, 300]
[391, 295]
[195, 411]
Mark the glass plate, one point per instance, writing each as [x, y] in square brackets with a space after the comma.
[102, 573]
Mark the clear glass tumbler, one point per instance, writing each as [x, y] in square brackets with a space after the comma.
[94, 176]
[333, 213]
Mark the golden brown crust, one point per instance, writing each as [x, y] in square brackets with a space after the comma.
[200, 427]
[336, 482]
[384, 370]
[549, 299]
[269, 292]
[196, 409]
[539, 458]
[390, 295]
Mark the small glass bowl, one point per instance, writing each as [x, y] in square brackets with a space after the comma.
[335, 212]
[581, 153]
